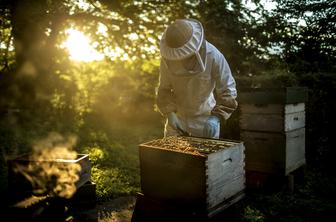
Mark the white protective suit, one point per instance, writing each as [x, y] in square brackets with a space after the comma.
[192, 96]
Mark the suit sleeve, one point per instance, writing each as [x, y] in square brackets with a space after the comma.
[225, 89]
[165, 94]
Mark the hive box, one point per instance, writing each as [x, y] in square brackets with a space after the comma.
[208, 182]
[272, 109]
[272, 122]
[21, 187]
[272, 117]
[275, 153]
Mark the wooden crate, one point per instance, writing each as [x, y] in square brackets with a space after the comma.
[276, 153]
[208, 182]
[272, 117]
[20, 186]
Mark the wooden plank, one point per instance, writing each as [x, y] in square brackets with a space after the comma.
[225, 191]
[295, 108]
[167, 175]
[271, 108]
[264, 122]
[272, 122]
[265, 152]
[278, 153]
[295, 150]
[247, 108]
[272, 117]
[294, 121]
[226, 203]
[223, 168]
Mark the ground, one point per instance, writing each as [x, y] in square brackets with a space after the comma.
[115, 210]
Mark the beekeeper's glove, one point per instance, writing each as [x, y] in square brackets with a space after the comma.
[173, 121]
[212, 127]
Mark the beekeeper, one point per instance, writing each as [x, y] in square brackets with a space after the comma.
[196, 89]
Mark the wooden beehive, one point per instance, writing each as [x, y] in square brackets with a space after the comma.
[204, 174]
[272, 124]
[20, 186]
[279, 153]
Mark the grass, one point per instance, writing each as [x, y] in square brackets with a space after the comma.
[313, 199]
[113, 151]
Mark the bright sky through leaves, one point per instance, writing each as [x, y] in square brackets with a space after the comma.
[80, 47]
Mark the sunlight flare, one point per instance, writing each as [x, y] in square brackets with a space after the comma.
[80, 47]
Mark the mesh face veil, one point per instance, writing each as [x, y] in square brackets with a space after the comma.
[188, 57]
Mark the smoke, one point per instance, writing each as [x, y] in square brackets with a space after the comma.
[51, 168]
[27, 69]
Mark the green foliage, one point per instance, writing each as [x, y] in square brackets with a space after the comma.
[270, 79]
[309, 47]
[320, 119]
[96, 154]
[239, 33]
[305, 204]
[252, 215]
[113, 182]
[112, 144]
[6, 40]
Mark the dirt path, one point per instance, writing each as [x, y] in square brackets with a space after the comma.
[116, 210]
[121, 210]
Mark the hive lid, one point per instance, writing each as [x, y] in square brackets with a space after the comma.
[285, 95]
[25, 158]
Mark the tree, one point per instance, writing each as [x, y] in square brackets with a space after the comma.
[37, 28]
[239, 32]
[308, 34]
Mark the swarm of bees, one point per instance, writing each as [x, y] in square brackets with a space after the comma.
[192, 145]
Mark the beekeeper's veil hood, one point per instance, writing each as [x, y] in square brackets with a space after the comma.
[182, 47]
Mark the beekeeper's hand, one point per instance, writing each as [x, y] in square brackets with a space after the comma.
[173, 121]
[212, 127]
